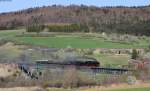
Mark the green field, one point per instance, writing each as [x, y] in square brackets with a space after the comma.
[75, 40]
[63, 42]
[112, 60]
[132, 89]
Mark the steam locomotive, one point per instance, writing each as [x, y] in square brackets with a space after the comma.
[78, 62]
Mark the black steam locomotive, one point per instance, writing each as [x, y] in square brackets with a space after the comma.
[79, 62]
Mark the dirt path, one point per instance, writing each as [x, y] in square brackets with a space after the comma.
[22, 89]
[96, 88]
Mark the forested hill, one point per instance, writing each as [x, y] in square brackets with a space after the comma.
[133, 20]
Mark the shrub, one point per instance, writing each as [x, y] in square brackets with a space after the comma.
[134, 54]
[70, 78]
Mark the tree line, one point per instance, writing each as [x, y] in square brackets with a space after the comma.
[58, 28]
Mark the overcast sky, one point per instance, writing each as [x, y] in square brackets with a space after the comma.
[14, 5]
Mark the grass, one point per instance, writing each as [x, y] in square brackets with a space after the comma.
[64, 42]
[76, 40]
[112, 60]
[132, 89]
[10, 33]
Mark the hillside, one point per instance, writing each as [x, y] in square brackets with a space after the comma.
[132, 20]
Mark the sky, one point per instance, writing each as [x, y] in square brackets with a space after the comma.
[14, 5]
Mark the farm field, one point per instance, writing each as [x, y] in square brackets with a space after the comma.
[76, 40]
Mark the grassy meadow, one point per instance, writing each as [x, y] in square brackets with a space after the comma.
[77, 40]
[112, 60]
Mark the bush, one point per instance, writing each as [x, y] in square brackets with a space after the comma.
[134, 54]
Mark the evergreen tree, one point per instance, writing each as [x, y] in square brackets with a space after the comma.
[134, 54]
